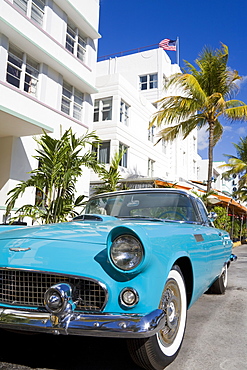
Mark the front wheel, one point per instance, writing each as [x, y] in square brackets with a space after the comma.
[158, 351]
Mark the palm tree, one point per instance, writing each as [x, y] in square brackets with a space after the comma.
[238, 165]
[60, 165]
[110, 177]
[205, 91]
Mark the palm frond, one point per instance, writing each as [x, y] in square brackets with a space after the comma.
[174, 108]
[234, 103]
[236, 166]
[189, 85]
[236, 113]
[241, 149]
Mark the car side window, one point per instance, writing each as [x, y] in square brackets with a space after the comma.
[203, 213]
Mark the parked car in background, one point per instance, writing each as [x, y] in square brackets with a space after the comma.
[130, 267]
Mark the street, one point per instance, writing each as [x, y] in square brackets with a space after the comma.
[216, 338]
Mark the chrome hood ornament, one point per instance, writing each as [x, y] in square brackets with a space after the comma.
[19, 249]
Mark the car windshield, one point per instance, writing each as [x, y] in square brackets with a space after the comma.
[170, 206]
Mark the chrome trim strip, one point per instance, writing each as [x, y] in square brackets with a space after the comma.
[102, 325]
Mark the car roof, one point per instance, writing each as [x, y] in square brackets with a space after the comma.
[146, 190]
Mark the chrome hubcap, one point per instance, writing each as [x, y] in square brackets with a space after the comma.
[171, 305]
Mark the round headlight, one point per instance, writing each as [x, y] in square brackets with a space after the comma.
[126, 252]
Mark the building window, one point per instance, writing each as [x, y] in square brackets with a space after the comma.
[21, 5]
[37, 11]
[150, 168]
[103, 110]
[153, 81]
[31, 76]
[22, 71]
[77, 105]
[66, 98]
[102, 151]
[149, 81]
[151, 134]
[14, 66]
[107, 109]
[75, 42]
[143, 82]
[34, 9]
[81, 47]
[123, 149]
[70, 39]
[72, 101]
[124, 113]
[96, 111]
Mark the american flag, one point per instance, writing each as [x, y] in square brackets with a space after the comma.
[168, 44]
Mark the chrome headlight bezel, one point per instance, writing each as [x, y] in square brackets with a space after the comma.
[126, 252]
[125, 299]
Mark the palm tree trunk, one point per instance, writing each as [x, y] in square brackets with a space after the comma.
[210, 155]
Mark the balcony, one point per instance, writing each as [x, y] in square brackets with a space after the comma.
[24, 117]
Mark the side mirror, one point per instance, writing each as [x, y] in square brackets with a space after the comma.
[212, 216]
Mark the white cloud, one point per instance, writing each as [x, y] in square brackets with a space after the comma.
[227, 128]
[241, 131]
[202, 138]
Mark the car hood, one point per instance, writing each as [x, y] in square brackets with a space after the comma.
[78, 231]
[77, 247]
[71, 247]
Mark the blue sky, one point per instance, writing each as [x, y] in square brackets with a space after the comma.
[130, 24]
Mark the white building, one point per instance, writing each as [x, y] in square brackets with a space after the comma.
[48, 82]
[227, 186]
[128, 87]
[48, 51]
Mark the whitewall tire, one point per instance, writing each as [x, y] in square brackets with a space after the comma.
[158, 351]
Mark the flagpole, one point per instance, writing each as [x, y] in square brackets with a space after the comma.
[177, 49]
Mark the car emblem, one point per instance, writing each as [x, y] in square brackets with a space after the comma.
[19, 249]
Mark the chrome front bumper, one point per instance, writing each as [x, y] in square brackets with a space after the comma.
[100, 325]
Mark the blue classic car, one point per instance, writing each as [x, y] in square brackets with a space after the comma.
[129, 267]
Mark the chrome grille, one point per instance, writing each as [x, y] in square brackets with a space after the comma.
[27, 288]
